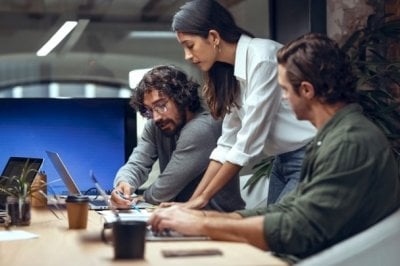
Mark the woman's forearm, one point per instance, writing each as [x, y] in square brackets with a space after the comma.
[225, 173]
[212, 170]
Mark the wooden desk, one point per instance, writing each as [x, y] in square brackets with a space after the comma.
[57, 245]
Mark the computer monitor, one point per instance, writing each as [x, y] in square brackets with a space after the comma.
[90, 134]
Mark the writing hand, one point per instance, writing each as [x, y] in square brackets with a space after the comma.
[121, 196]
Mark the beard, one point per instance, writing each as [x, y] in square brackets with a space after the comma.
[178, 124]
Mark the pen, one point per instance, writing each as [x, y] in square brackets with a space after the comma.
[136, 208]
[123, 197]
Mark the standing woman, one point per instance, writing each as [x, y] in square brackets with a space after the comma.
[241, 88]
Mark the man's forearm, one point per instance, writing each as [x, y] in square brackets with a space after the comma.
[216, 214]
[248, 230]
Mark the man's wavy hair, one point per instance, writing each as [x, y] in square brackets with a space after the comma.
[171, 82]
[317, 59]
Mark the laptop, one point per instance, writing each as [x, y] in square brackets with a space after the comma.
[95, 203]
[133, 215]
[73, 189]
[14, 167]
[171, 235]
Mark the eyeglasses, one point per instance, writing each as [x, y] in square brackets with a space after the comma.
[160, 107]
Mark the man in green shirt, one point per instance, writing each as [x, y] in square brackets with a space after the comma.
[349, 178]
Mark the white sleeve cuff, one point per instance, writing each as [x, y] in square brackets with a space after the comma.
[219, 154]
[222, 155]
[237, 157]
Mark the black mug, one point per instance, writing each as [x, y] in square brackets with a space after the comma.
[128, 238]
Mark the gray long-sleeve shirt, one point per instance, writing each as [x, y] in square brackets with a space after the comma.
[183, 159]
[349, 181]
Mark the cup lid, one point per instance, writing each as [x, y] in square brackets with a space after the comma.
[77, 198]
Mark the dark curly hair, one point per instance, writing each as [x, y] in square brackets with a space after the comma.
[171, 82]
[317, 59]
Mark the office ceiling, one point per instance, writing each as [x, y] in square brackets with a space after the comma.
[101, 48]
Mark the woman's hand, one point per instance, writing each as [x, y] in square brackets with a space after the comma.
[197, 203]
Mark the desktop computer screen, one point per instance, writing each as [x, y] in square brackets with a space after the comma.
[95, 134]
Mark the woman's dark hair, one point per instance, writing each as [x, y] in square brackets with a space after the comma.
[317, 59]
[199, 17]
[171, 82]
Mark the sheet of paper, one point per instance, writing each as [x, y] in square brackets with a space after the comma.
[129, 215]
[16, 235]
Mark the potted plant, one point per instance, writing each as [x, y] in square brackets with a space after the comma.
[18, 191]
[378, 74]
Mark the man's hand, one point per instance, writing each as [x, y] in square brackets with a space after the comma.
[185, 221]
[121, 196]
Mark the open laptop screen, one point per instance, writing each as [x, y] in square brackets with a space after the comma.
[63, 172]
[15, 166]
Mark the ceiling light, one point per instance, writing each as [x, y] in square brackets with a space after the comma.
[152, 34]
[65, 29]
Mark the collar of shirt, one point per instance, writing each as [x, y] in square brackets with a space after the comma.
[241, 57]
[337, 118]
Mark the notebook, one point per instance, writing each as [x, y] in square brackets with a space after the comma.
[95, 203]
[14, 167]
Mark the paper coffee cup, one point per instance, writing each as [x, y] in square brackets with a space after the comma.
[77, 209]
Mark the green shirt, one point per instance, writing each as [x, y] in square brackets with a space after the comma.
[349, 181]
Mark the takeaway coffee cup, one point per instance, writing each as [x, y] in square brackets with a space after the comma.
[128, 239]
[77, 209]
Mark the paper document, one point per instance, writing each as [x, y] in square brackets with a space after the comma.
[128, 215]
[16, 235]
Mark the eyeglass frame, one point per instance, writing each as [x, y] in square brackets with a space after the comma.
[160, 107]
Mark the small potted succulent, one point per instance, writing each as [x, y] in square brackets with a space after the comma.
[18, 190]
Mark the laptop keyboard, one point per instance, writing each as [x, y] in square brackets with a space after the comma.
[98, 202]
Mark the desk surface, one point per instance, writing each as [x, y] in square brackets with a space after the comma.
[57, 245]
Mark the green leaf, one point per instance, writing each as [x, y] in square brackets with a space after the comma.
[263, 170]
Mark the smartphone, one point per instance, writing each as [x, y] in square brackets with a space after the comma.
[191, 252]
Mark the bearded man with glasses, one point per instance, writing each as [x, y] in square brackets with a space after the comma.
[181, 135]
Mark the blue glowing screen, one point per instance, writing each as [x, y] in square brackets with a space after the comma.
[88, 134]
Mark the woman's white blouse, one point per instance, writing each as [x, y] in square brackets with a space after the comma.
[265, 121]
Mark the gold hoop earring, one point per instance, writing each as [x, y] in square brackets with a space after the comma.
[216, 46]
